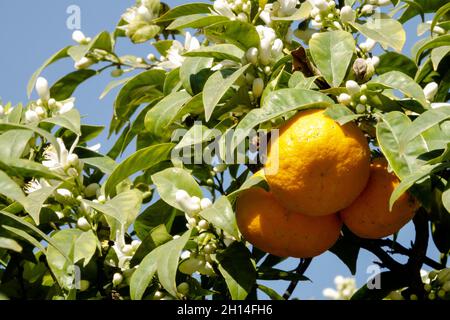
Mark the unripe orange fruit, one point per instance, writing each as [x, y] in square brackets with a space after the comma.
[369, 216]
[266, 224]
[322, 166]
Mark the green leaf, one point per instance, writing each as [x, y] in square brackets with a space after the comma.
[272, 294]
[391, 61]
[221, 215]
[440, 13]
[341, 114]
[219, 52]
[431, 44]
[195, 21]
[123, 208]
[27, 168]
[167, 264]
[69, 120]
[65, 86]
[424, 122]
[446, 199]
[409, 180]
[239, 33]
[237, 268]
[400, 81]
[144, 87]
[332, 52]
[169, 181]
[159, 213]
[194, 72]
[348, 252]
[184, 10]
[143, 275]
[57, 56]
[172, 82]
[278, 103]
[437, 54]
[276, 274]
[10, 189]
[403, 161]
[13, 143]
[140, 160]
[216, 87]
[25, 236]
[387, 31]
[159, 118]
[104, 164]
[113, 84]
[302, 13]
[10, 244]
[155, 237]
[253, 181]
[35, 201]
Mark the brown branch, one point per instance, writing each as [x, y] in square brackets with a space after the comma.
[301, 268]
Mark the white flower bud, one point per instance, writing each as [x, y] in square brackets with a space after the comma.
[185, 255]
[209, 248]
[439, 30]
[220, 168]
[51, 102]
[83, 224]
[42, 89]
[242, 17]
[73, 160]
[252, 55]
[78, 37]
[352, 87]
[368, 45]
[205, 203]
[330, 293]
[314, 12]
[91, 190]
[144, 13]
[345, 99]
[367, 9]
[83, 63]
[203, 224]
[101, 198]
[2, 111]
[315, 24]
[159, 295]
[347, 14]
[277, 48]
[175, 237]
[127, 250]
[430, 90]
[40, 111]
[331, 4]
[192, 222]
[330, 16]
[183, 288]
[117, 279]
[258, 87]
[322, 5]
[363, 99]
[360, 108]
[375, 61]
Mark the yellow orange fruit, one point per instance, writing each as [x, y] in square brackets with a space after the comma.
[369, 216]
[321, 167]
[266, 224]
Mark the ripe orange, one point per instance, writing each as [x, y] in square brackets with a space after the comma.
[270, 227]
[369, 216]
[322, 166]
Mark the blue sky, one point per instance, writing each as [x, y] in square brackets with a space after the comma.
[32, 31]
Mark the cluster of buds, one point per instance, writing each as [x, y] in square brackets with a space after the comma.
[46, 106]
[85, 62]
[345, 288]
[270, 48]
[233, 9]
[174, 57]
[279, 8]
[197, 263]
[325, 13]
[139, 25]
[355, 96]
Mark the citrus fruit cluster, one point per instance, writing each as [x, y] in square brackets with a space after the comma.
[320, 176]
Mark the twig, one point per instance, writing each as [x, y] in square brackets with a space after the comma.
[301, 268]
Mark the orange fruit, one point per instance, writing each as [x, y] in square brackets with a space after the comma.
[369, 216]
[266, 224]
[321, 167]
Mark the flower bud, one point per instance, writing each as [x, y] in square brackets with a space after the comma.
[73, 160]
[363, 99]
[352, 87]
[91, 190]
[344, 99]
[430, 90]
[117, 279]
[83, 63]
[347, 14]
[205, 203]
[258, 87]
[83, 224]
[144, 13]
[101, 198]
[363, 69]
[2, 111]
[277, 48]
[314, 12]
[185, 255]
[59, 214]
[40, 111]
[116, 73]
[159, 295]
[183, 288]
[78, 37]
[360, 108]
[317, 25]
[368, 45]
[203, 224]
[252, 55]
[322, 5]
[51, 102]
[127, 250]
[367, 9]
[383, 3]
[330, 16]
[242, 17]
[84, 285]
[375, 61]
[42, 89]
[331, 4]
[210, 248]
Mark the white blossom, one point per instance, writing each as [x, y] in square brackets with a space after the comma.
[83, 63]
[367, 9]
[31, 116]
[345, 288]
[42, 89]
[174, 58]
[223, 8]
[430, 90]
[58, 161]
[33, 186]
[345, 99]
[287, 7]
[258, 87]
[80, 38]
[347, 14]
[368, 45]
[352, 87]
[205, 203]
[322, 5]
[117, 279]
[187, 203]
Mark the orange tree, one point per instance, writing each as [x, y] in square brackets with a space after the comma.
[161, 224]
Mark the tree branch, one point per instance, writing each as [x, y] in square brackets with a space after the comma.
[301, 268]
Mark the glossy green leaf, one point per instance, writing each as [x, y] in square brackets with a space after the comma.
[13, 143]
[140, 160]
[102, 41]
[195, 21]
[184, 10]
[27, 168]
[169, 181]
[239, 33]
[391, 61]
[104, 164]
[159, 213]
[10, 189]
[143, 275]
[432, 43]
[64, 87]
[24, 235]
[219, 52]
[437, 54]
[385, 30]
[35, 201]
[154, 238]
[237, 268]
[272, 294]
[69, 120]
[332, 52]
[10, 244]
[112, 85]
[57, 56]
[221, 215]
[446, 199]
[341, 114]
[216, 87]
[194, 72]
